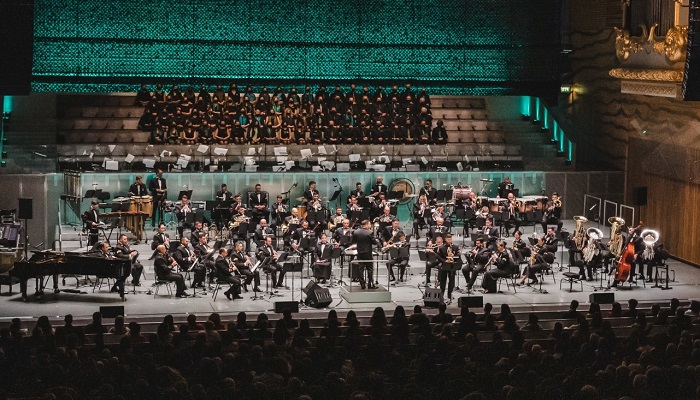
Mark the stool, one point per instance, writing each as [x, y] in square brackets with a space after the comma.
[571, 277]
[158, 284]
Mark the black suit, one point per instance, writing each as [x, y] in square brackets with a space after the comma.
[261, 234]
[163, 272]
[138, 190]
[158, 239]
[223, 274]
[490, 235]
[505, 188]
[388, 233]
[90, 218]
[476, 262]
[183, 257]
[272, 266]
[430, 194]
[364, 240]
[185, 217]
[503, 269]
[380, 188]
[437, 230]
[447, 268]
[258, 199]
[124, 252]
[239, 260]
[309, 194]
[202, 250]
[157, 183]
[322, 269]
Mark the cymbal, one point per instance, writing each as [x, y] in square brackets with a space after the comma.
[301, 198]
[485, 180]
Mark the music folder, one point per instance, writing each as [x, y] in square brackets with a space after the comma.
[335, 195]
[308, 243]
[187, 193]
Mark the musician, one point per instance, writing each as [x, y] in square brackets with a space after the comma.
[377, 207]
[343, 234]
[279, 212]
[653, 254]
[514, 213]
[505, 188]
[91, 221]
[138, 188]
[550, 241]
[185, 215]
[483, 213]
[238, 218]
[323, 258]
[159, 190]
[316, 214]
[276, 271]
[237, 203]
[552, 213]
[504, 267]
[223, 195]
[163, 266]
[197, 231]
[592, 257]
[439, 229]
[638, 243]
[429, 191]
[432, 260]
[258, 202]
[387, 217]
[476, 262]
[489, 233]
[263, 231]
[450, 261]
[397, 256]
[363, 240]
[225, 273]
[391, 233]
[303, 232]
[357, 192]
[204, 252]
[186, 260]
[379, 187]
[439, 212]
[245, 267]
[421, 211]
[104, 252]
[309, 193]
[161, 238]
[123, 251]
[536, 263]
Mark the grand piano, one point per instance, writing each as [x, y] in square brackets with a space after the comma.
[54, 263]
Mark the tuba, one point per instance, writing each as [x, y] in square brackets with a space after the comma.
[579, 236]
[615, 243]
[650, 237]
[592, 250]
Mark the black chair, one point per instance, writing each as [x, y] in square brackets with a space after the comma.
[159, 283]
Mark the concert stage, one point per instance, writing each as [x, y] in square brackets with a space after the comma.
[407, 294]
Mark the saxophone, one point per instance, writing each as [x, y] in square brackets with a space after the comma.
[533, 254]
[450, 255]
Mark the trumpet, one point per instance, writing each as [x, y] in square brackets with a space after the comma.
[280, 207]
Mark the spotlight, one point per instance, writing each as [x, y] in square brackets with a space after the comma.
[3, 163]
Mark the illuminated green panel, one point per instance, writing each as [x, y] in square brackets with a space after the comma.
[475, 47]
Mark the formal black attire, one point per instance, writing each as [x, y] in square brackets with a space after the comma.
[322, 265]
[258, 199]
[538, 265]
[504, 188]
[202, 250]
[164, 273]
[552, 217]
[262, 233]
[183, 257]
[238, 259]
[490, 235]
[437, 230]
[276, 270]
[419, 218]
[551, 243]
[309, 194]
[160, 238]
[398, 256]
[357, 193]
[596, 259]
[380, 188]
[185, 218]
[138, 189]
[364, 240]
[446, 273]
[154, 184]
[223, 274]
[124, 252]
[476, 262]
[430, 194]
[119, 282]
[503, 268]
[90, 218]
[389, 233]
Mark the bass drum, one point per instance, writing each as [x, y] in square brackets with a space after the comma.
[403, 185]
[461, 193]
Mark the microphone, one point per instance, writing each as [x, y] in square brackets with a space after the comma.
[295, 185]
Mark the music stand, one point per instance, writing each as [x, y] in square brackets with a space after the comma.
[187, 193]
[292, 267]
[336, 196]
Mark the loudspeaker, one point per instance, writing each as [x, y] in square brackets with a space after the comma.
[111, 311]
[316, 296]
[640, 196]
[432, 297]
[292, 306]
[471, 301]
[24, 211]
[602, 298]
[691, 74]
[16, 46]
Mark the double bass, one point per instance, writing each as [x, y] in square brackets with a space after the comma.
[624, 265]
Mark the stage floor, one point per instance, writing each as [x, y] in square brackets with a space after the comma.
[409, 293]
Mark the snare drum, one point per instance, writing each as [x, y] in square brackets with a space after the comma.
[461, 193]
[302, 212]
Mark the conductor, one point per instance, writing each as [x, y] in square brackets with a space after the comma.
[363, 240]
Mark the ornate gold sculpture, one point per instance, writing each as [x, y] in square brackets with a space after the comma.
[672, 46]
[649, 74]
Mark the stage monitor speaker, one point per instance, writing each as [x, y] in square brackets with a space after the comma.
[111, 311]
[691, 74]
[432, 297]
[16, 46]
[640, 196]
[317, 296]
[292, 306]
[24, 211]
[602, 298]
[471, 301]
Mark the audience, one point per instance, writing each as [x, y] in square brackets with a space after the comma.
[235, 117]
[366, 358]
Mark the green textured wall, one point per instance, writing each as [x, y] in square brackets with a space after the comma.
[455, 46]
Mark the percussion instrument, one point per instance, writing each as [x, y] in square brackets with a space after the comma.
[495, 204]
[461, 193]
[542, 202]
[301, 198]
[302, 212]
[142, 204]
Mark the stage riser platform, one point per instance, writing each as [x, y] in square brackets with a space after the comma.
[355, 294]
